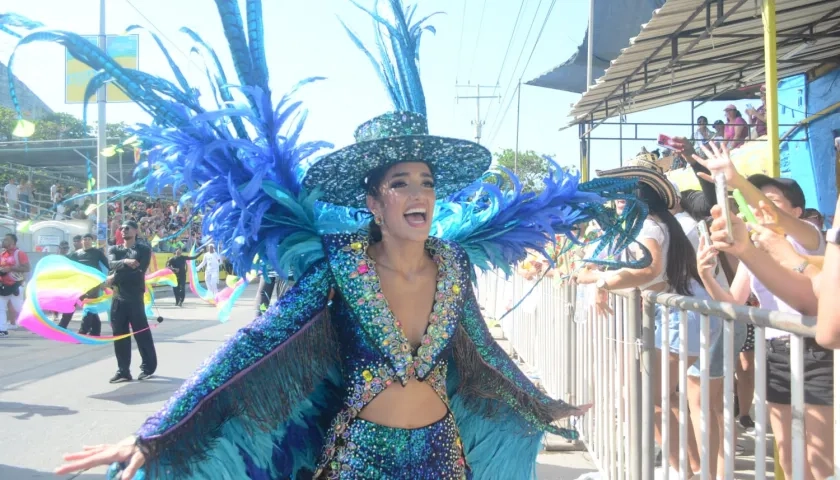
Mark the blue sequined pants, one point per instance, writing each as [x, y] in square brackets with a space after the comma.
[375, 452]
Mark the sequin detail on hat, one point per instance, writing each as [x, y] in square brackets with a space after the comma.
[386, 140]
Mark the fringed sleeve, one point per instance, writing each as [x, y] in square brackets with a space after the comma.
[501, 414]
[260, 403]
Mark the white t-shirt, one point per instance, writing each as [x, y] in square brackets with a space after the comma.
[212, 262]
[11, 192]
[657, 232]
[765, 297]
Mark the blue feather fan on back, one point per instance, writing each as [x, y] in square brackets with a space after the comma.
[498, 227]
[238, 164]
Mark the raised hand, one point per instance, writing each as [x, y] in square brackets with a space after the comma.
[706, 259]
[717, 161]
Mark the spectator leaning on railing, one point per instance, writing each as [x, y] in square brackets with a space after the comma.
[781, 281]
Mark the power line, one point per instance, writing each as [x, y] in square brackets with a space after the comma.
[163, 35]
[507, 51]
[530, 56]
[461, 42]
[519, 58]
[477, 39]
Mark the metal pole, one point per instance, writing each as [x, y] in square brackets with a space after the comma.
[122, 183]
[648, 417]
[589, 42]
[478, 114]
[101, 144]
[518, 104]
[634, 327]
[768, 17]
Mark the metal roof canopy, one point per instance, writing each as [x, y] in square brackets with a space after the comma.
[708, 49]
[65, 157]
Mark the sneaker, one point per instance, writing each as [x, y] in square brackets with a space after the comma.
[747, 424]
[120, 378]
[144, 375]
[4, 334]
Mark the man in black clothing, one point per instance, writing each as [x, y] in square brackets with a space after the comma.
[128, 264]
[93, 257]
[178, 265]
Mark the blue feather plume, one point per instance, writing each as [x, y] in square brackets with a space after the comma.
[498, 226]
[238, 165]
[398, 52]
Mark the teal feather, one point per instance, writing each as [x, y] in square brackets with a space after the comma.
[256, 42]
[179, 76]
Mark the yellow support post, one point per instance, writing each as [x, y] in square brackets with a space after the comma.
[768, 17]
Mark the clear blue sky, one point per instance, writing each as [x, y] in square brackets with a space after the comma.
[304, 38]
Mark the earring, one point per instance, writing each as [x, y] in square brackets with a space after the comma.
[377, 219]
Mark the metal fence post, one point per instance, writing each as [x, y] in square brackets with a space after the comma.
[635, 331]
[646, 397]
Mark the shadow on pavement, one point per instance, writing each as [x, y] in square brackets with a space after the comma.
[558, 472]
[155, 389]
[25, 411]
[8, 472]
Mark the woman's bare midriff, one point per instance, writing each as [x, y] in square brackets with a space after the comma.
[415, 405]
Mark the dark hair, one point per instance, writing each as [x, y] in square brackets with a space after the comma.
[719, 123]
[88, 235]
[681, 264]
[703, 118]
[13, 236]
[693, 202]
[77, 238]
[371, 185]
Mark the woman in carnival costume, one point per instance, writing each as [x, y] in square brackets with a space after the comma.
[377, 364]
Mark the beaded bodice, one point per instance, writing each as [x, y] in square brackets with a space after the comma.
[375, 351]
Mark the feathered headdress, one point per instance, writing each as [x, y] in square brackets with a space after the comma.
[239, 163]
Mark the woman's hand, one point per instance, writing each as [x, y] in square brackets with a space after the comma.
[586, 276]
[717, 161]
[775, 244]
[93, 456]
[602, 303]
[718, 234]
[706, 259]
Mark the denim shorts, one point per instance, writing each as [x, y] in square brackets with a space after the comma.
[693, 330]
[716, 352]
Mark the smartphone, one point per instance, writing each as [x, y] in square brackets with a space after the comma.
[723, 200]
[668, 142]
[703, 229]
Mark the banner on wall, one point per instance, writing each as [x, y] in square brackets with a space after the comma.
[122, 48]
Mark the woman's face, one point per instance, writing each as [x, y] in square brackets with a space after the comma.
[406, 202]
[619, 206]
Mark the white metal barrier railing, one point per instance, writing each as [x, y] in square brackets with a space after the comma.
[585, 358]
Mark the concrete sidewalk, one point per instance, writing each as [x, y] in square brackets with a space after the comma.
[55, 397]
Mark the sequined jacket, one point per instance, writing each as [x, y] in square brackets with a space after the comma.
[269, 402]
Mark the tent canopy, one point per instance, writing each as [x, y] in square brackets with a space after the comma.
[705, 50]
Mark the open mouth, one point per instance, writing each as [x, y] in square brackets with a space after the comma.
[416, 217]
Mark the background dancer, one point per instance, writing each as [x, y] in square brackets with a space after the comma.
[265, 290]
[178, 265]
[212, 261]
[128, 263]
[93, 257]
[13, 265]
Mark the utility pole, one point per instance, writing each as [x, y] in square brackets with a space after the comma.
[101, 144]
[478, 122]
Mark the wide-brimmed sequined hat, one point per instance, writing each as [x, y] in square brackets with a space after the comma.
[644, 168]
[389, 139]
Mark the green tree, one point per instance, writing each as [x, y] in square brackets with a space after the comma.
[116, 130]
[530, 167]
[60, 126]
[8, 120]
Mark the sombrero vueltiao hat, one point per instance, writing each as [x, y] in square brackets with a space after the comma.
[645, 169]
[402, 135]
[389, 139]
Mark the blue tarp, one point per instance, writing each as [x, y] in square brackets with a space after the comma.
[615, 24]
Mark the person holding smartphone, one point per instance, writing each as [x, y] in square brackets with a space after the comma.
[784, 287]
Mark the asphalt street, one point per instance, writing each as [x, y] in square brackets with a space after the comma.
[55, 397]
